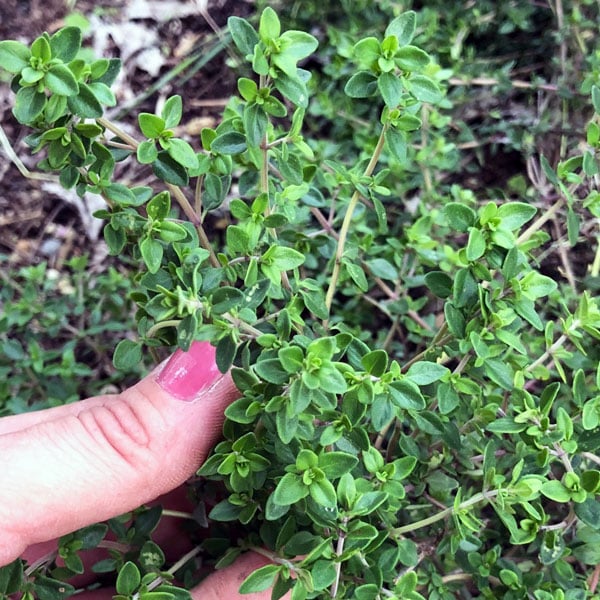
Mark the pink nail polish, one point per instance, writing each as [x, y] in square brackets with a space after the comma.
[186, 374]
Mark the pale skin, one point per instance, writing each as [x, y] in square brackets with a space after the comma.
[78, 464]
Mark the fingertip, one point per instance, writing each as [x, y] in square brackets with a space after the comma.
[224, 584]
[186, 375]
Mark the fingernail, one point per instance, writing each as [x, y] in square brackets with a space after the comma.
[186, 374]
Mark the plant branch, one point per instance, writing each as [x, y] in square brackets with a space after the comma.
[476, 499]
[548, 354]
[12, 155]
[338, 565]
[537, 224]
[348, 219]
[176, 566]
[176, 191]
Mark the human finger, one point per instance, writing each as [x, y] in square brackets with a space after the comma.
[220, 585]
[113, 453]
[225, 583]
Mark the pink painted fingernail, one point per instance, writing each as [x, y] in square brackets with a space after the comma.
[186, 374]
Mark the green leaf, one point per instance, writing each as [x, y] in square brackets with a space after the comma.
[128, 579]
[425, 372]
[169, 231]
[535, 285]
[69, 177]
[260, 580]
[30, 75]
[243, 34]
[255, 125]
[296, 45]
[151, 125]
[231, 142]
[525, 308]
[407, 395]
[127, 355]
[291, 358]
[589, 512]
[56, 107]
[596, 98]
[85, 104]
[331, 380]
[335, 464]
[590, 479]
[103, 93]
[439, 283]
[283, 258]
[92, 535]
[323, 493]
[46, 588]
[147, 152]
[172, 111]
[98, 68]
[411, 58]
[272, 371]
[408, 553]
[367, 51]
[65, 43]
[111, 73]
[357, 275]
[361, 85]
[120, 194]
[214, 190]
[159, 207]
[181, 152]
[247, 89]
[383, 268]
[29, 104]
[460, 217]
[292, 88]
[556, 491]
[323, 574]
[424, 89]
[375, 362]
[290, 490]
[403, 27]
[115, 239]
[10, 578]
[226, 298]
[14, 56]
[391, 89]
[499, 372]
[169, 170]
[407, 122]
[226, 349]
[515, 214]
[269, 27]
[573, 225]
[396, 144]
[314, 300]
[88, 130]
[40, 48]
[152, 253]
[549, 171]
[475, 245]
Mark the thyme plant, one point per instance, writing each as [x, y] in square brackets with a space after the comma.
[419, 403]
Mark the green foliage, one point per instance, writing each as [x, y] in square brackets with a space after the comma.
[419, 391]
[42, 363]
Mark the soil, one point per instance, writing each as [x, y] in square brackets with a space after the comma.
[38, 221]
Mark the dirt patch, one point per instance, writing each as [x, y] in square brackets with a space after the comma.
[167, 47]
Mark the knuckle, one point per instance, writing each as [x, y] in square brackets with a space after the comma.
[118, 427]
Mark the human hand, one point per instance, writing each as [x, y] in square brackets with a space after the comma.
[67, 467]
